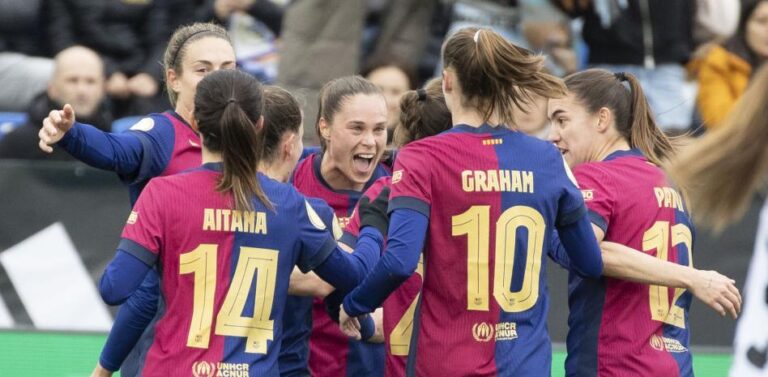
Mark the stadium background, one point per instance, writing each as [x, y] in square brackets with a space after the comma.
[54, 326]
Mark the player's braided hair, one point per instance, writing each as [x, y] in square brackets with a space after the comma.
[180, 40]
[423, 113]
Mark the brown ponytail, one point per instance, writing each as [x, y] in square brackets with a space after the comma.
[496, 76]
[598, 88]
[423, 113]
[228, 108]
[722, 170]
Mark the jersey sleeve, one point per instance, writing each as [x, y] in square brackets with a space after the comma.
[315, 237]
[411, 181]
[142, 235]
[571, 206]
[157, 138]
[597, 193]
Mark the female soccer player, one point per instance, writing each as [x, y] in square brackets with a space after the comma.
[158, 145]
[720, 172]
[352, 126]
[422, 113]
[606, 133]
[483, 200]
[226, 239]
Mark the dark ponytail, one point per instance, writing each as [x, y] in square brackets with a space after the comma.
[496, 76]
[228, 108]
[598, 88]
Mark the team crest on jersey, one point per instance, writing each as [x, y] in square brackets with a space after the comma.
[314, 218]
[587, 195]
[145, 125]
[397, 176]
[132, 218]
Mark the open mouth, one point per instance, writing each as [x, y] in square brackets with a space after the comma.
[363, 161]
[563, 151]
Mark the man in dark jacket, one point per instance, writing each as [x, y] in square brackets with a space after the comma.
[78, 79]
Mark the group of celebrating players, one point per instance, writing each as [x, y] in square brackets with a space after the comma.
[244, 249]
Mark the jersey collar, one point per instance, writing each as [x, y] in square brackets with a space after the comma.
[483, 129]
[624, 153]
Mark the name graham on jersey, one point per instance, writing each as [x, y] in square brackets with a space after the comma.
[497, 180]
[228, 220]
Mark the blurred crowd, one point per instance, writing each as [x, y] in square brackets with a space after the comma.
[694, 58]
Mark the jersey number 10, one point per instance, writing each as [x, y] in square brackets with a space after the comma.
[252, 263]
[475, 223]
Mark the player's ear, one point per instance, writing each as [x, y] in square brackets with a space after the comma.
[604, 119]
[325, 129]
[287, 148]
[173, 80]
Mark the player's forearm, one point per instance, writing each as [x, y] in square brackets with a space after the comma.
[407, 232]
[308, 284]
[120, 153]
[345, 270]
[625, 263]
[122, 277]
[581, 247]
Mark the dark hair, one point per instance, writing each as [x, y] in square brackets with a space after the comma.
[598, 88]
[334, 93]
[423, 113]
[282, 114]
[496, 76]
[737, 43]
[408, 70]
[228, 106]
[181, 38]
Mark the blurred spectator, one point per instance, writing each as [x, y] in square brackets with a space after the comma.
[652, 39]
[129, 35]
[23, 71]
[322, 40]
[726, 69]
[394, 79]
[715, 20]
[78, 79]
[547, 31]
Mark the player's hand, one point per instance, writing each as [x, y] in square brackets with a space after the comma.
[143, 85]
[375, 213]
[350, 326]
[100, 371]
[718, 291]
[117, 85]
[55, 126]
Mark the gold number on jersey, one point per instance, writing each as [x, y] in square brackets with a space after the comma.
[657, 237]
[260, 264]
[400, 337]
[475, 223]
